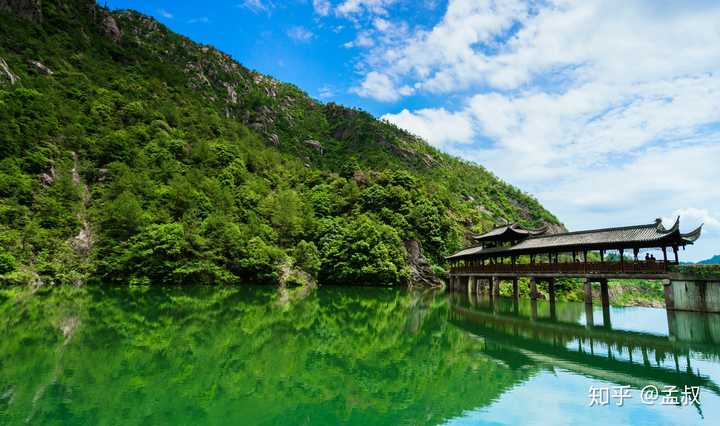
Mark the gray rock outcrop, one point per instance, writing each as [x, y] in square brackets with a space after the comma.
[420, 271]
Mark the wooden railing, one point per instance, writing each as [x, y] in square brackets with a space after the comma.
[567, 268]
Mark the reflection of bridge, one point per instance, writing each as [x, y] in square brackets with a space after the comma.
[511, 251]
[624, 357]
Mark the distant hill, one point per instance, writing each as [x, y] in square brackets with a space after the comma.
[715, 260]
[131, 154]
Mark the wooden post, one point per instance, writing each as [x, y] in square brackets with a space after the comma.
[602, 255]
[622, 260]
[496, 286]
[516, 289]
[665, 254]
[588, 291]
[675, 250]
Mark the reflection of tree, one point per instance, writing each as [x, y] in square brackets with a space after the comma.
[227, 355]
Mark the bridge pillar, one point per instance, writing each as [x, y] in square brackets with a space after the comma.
[533, 309]
[605, 300]
[589, 321]
[551, 295]
[533, 288]
[588, 291]
[604, 293]
[516, 289]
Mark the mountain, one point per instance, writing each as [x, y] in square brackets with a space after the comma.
[131, 154]
[715, 260]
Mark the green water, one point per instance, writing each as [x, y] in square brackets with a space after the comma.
[189, 356]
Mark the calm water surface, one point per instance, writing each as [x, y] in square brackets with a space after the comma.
[189, 356]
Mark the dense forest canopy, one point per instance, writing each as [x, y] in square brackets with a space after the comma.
[131, 154]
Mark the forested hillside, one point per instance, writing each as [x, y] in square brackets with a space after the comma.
[130, 154]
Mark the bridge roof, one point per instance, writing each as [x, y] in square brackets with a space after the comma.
[512, 232]
[637, 236]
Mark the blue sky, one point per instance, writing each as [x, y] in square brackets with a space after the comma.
[608, 111]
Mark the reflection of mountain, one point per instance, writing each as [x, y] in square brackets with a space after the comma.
[624, 357]
[209, 355]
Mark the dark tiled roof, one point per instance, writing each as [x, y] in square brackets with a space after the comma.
[509, 232]
[651, 235]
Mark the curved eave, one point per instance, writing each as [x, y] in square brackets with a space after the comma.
[693, 235]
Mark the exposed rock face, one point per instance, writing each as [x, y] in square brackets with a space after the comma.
[111, 29]
[274, 140]
[48, 179]
[420, 271]
[26, 9]
[317, 146]
[40, 67]
[6, 74]
[556, 229]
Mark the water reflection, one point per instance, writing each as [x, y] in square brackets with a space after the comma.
[337, 356]
[532, 333]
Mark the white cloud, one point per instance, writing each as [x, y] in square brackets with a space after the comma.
[321, 7]
[607, 110]
[257, 6]
[437, 126]
[300, 34]
[693, 216]
[165, 14]
[363, 39]
[356, 7]
[378, 86]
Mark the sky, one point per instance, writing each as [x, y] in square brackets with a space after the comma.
[607, 111]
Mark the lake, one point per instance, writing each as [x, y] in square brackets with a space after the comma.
[365, 356]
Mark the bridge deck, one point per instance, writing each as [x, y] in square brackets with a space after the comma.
[647, 270]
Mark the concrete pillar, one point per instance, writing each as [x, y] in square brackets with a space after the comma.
[533, 288]
[496, 286]
[588, 291]
[516, 289]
